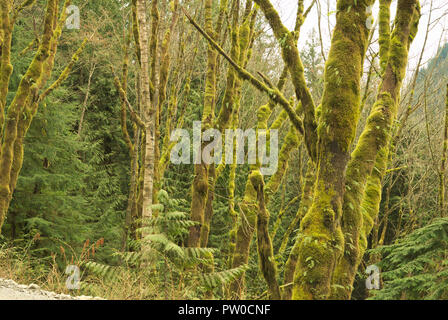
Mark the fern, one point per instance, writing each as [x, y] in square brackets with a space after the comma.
[216, 279]
[416, 267]
[164, 235]
[101, 270]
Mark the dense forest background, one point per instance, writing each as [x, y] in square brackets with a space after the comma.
[79, 195]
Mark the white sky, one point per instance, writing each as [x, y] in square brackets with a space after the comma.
[287, 10]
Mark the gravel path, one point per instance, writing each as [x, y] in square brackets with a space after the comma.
[10, 290]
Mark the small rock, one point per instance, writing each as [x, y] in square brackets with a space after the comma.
[10, 282]
[33, 286]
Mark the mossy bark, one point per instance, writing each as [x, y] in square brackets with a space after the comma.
[290, 143]
[442, 205]
[384, 32]
[22, 109]
[247, 221]
[321, 240]
[208, 212]
[305, 203]
[244, 233]
[223, 120]
[200, 181]
[242, 42]
[231, 188]
[291, 57]
[6, 67]
[265, 250]
[133, 146]
[375, 137]
[241, 35]
[372, 198]
[164, 73]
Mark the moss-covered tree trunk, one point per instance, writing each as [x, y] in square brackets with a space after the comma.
[321, 239]
[133, 143]
[442, 204]
[164, 73]
[344, 183]
[22, 109]
[200, 180]
[246, 226]
[264, 243]
[291, 57]
[305, 204]
[250, 206]
[369, 159]
[212, 174]
[242, 36]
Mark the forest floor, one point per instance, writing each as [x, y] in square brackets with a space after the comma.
[10, 290]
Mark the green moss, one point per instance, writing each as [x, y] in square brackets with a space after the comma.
[442, 205]
[321, 239]
[384, 32]
[363, 183]
[26, 94]
[263, 114]
[318, 245]
[200, 182]
[289, 144]
[6, 67]
[305, 204]
[246, 227]
[290, 54]
[256, 178]
[135, 29]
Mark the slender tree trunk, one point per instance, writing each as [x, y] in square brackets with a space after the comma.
[200, 181]
[265, 250]
[165, 64]
[148, 110]
[442, 204]
[249, 206]
[86, 99]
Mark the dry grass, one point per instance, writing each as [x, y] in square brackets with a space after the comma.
[127, 284]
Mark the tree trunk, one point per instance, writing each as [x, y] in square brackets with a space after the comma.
[369, 159]
[200, 182]
[25, 103]
[148, 111]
